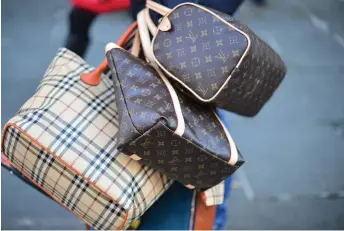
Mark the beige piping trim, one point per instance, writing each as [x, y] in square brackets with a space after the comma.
[234, 151]
[178, 80]
[145, 40]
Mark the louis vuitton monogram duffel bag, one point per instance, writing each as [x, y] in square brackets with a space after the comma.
[215, 57]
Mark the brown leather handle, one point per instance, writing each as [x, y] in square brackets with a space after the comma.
[94, 77]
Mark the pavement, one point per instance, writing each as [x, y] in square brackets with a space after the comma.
[293, 177]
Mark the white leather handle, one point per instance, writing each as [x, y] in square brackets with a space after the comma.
[160, 9]
[151, 26]
[136, 47]
[145, 37]
[146, 46]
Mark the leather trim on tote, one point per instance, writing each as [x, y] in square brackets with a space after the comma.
[181, 82]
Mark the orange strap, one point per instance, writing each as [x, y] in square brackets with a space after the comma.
[94, 77]
[5, 161]
[204, 215]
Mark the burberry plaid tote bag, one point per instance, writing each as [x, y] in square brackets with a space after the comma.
[215, 58]
[63, 140]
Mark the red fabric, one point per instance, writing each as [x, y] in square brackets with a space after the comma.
[102, 6]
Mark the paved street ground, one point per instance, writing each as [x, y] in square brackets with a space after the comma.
[294, 149]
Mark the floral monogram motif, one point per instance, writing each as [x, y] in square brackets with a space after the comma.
[210, 54]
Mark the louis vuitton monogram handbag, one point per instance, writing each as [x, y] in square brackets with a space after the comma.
[165, 129]
[215, 58]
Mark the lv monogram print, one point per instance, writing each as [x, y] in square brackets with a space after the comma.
[141, 96]
[181, 159]
[147, 127]
[203, 128]
[201, 48]
[202, 52]
[255, 80]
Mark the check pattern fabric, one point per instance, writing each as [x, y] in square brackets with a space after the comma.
[63, 140]
[214, 195]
